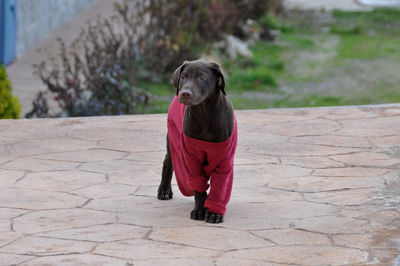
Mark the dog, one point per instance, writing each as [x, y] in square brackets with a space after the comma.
[201, 140]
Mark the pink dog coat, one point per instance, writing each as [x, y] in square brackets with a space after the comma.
[197, 162]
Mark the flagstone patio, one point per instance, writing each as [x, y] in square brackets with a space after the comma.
[317, 186]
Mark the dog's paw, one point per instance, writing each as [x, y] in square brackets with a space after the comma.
[165, 194]
[197, 214]
[214, 218]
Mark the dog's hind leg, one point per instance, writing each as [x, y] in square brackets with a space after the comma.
[165, 190]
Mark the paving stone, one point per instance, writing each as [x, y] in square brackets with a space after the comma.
[90, 155]
[145, 249]
[386, 141]
[5, 225]
[40, 145]
[294, 210]
[174, 262]
[28, 164]
[312, 186]
[37, 200]
[239, 262]
[342, 197]
[8, 178]
[361, 241]
[311, 162]
[351, 172]
[126, 203]
[7, 213]
[342, 113]
[119, 171]
[266, 174]
[48, 220]
[253, 136]
[7, 238]
[111, 130]
[60, 180]
[326, 183]
[313, 127]
[334, 225]
[166, 215]
[209, 237]
[248, 195]
[7, 142]
[13, 259]
[99, 233]
[272, 215]
[27, 129]
[105, 190]
[367, 159]
[373, 127]
[5, 159]
[333, 140]
[298, 150]
[141, 142]
[80, 259]
[271, 172]
[149, 156]
[291, 237]
[248, 158]
[46, 246]
[279, 115]
[316, 255]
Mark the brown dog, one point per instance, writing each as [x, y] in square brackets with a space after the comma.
[201, 140]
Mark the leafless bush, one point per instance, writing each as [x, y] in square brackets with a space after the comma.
[99, 73]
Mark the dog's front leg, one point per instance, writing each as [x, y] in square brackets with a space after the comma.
[214, 218]
[165, 190]
[199, 211]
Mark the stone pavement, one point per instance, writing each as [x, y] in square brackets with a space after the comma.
[318, 186]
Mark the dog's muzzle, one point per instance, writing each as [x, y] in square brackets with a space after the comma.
[185, 97]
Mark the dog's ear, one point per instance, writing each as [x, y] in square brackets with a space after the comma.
[220, 75]
[177, 75]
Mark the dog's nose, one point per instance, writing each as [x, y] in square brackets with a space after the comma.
[186, 94]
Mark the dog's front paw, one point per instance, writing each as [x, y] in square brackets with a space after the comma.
[214, 218]
[165, 194]
[198, 214]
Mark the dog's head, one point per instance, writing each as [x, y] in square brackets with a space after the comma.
[196, 80]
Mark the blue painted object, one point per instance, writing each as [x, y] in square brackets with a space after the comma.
[8, 30]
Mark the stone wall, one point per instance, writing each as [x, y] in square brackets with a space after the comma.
[36, 18]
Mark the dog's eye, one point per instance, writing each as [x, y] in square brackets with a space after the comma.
[183, 76]
[202, 77]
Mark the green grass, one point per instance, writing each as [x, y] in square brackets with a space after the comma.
[368, 47]
[159, 89]
[298, 40]
[343, 62]
[346, 29]
[158, 106]
[368, 35]
[287, 101]
[309, 101]
[379, 15]
[275, 23]
[258, 73]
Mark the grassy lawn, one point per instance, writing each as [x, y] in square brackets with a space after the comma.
[325, 59]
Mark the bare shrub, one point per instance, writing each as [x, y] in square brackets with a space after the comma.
[99, 73]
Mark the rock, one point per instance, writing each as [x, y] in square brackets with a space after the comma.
[248, 31]
[233, 47]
